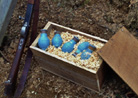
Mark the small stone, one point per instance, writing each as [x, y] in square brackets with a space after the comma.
[34, 82]
[55, 96]
[39, 79]
[10, 50]
[32, 92]
[35, 93]
[105, 33]
[31, 86]
[1, 60]
[28, 92]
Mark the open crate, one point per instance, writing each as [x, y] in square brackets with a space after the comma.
[66, 69]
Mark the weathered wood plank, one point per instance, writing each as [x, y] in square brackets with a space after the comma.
[6, 10]
[121, 53]
[68, 71]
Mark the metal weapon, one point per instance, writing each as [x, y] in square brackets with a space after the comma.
[10, 84]
[23, 78]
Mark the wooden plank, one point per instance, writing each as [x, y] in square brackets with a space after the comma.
[121, 53]
[68, 71]
[6, 10]
[101, 75]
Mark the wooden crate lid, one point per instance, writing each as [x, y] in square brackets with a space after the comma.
[121, 53]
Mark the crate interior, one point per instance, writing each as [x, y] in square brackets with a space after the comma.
[67, 57]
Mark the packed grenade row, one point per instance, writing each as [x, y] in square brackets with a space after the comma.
[85, 47]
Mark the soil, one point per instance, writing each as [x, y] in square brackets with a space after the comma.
[96, 17]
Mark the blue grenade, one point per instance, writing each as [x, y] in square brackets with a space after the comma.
[57, 40]
[69, 46]
[43, 41]
[81, 47]
[87, 53]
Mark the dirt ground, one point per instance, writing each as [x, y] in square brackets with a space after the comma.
[96, 17]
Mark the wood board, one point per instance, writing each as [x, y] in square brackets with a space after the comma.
[121, 53]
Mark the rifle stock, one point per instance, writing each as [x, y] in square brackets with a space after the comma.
[12, 78]
[28, 60]
[10, 84]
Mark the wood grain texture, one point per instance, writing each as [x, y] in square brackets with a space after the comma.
[101, 74]
[68, 70]
[121, 53]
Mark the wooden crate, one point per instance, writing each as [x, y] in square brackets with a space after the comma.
[62, 67]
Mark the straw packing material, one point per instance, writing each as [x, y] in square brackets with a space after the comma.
[93, 63]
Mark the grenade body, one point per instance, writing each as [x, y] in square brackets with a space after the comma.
[87, 53]
[69, 46]
[57, 40]
[43, 41]
[81, 47]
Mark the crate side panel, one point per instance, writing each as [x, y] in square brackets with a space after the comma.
[69, 73]
[67, 70]
[101, 74]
